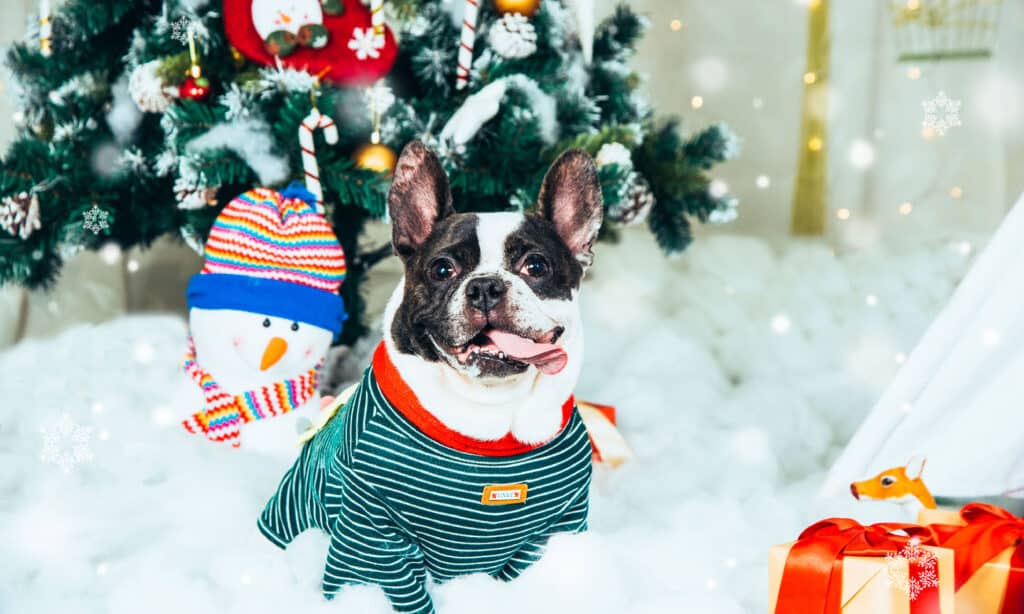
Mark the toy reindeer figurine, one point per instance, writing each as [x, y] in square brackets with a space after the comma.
[904, 486]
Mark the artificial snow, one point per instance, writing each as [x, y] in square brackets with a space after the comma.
[739, 371]
[124, 115]
[481, 107]
[475, 111]
[252, 141]
[613, 153]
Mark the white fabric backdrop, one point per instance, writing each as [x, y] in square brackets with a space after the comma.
[956, 401]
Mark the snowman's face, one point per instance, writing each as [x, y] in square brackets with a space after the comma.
[241, 349]
[270, 16]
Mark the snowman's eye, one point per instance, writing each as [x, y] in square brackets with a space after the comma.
[266, 323]
[295, 326]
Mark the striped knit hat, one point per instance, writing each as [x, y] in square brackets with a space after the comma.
[271, 253]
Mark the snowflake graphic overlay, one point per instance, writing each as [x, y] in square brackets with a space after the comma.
[66, 444]
[941, 113]
[927, 568]
[96, 219]
[181, 28]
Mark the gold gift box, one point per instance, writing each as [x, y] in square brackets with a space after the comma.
[867, 585]
[984, 592]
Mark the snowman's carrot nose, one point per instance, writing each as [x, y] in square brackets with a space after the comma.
[276, 348]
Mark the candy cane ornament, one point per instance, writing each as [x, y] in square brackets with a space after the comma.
[466, 42]
[313, 121]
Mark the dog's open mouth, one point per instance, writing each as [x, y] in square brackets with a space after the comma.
[493, 345]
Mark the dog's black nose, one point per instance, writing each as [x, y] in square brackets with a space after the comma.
[483, 293]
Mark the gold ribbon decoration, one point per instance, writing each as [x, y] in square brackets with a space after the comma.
[810, 192]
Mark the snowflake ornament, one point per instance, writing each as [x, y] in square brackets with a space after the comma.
[181, 28]
[66, 444]
[913, 582]
[96, 219]
[365, 43]
[513, 37]
[941, 113]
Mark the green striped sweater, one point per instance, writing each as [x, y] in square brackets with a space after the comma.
[398, 504]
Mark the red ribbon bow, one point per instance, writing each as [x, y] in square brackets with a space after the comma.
[990, 530]
[812, 581]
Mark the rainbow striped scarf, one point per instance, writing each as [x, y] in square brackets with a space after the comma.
[224, 413]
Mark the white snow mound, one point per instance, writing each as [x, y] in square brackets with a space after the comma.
[738, 372]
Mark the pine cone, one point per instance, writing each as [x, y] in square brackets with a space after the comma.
[19, 215]
[513, 36]
[194, 197]
[634, 208]
[148, 91]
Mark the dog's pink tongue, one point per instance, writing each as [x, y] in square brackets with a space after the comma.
[547, 357]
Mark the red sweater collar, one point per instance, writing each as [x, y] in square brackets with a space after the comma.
[403, 399]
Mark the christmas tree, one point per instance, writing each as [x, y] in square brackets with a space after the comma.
[140, 118]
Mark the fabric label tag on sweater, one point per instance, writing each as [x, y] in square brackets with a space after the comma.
[504, 494]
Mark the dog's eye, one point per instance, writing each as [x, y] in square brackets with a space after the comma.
[888, 480]
[534, 265]
[443, 269]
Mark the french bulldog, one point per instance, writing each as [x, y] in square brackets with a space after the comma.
[460, 451]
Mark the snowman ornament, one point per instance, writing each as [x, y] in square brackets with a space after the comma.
[285, 25]
[262, 314]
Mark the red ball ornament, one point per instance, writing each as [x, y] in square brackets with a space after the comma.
[194, 89]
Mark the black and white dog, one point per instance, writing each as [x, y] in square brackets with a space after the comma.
[460, 451]
[473, 280]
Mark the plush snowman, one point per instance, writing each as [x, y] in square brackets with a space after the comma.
[286, 24]
[262, 313]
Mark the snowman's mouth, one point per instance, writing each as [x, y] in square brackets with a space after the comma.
[499, 350]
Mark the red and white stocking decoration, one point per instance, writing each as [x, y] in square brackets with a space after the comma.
[343, 41]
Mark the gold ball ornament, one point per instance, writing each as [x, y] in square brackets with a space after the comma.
[524, 7]
[375, 157]
[237, 59]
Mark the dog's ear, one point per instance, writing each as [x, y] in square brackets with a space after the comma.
[570, 198]
[419, 198]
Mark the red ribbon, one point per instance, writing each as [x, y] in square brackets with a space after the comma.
[990, 530]
[812, 581]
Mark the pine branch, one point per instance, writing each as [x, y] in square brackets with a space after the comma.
[66, 150]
